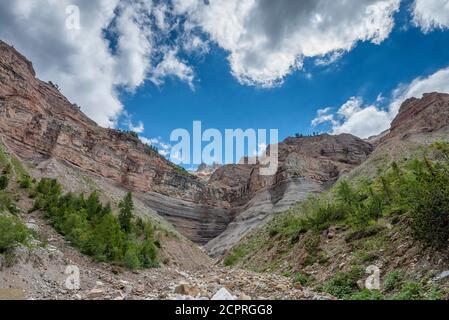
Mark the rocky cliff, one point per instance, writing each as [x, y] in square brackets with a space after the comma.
[39, 124]
[420, 122]
[326, 253]
[307, 165]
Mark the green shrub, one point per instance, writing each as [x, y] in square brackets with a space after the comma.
[6, 204]
[321, 214]
[393, 280]
[107, 241]
[428, 200]
[419, 188]
[411, 291]
[18, 167]
[131, 258]
[148, 248]
[312, 242]
[302, 279]
[126, 211]
[366, 294]
[235, 256]
[344, 284]
[3, 182]
[94, 229]
[25, 182]
[418, 291]
[12, 233]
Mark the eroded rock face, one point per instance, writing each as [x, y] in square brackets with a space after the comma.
[419, 123]
[428, 114]
[38, 123]
[307, 165]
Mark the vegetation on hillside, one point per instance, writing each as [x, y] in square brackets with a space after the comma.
[415, 194]
[13, 231]
[152, 150]
[95, 230]
[88, 224]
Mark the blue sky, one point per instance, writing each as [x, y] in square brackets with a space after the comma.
[153, 66]
[221, 102]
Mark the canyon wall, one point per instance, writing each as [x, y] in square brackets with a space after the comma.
[38, 123]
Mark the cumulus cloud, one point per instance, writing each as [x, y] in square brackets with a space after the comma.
[78, 60]
[171, 65]
[123, 43]
[115, 47]
[134, 38]
[431, 14]
[160, 15]
[267, 40]
[364, 121]
[354, 117]
[163, 148]
[437, 82]
[323, 116]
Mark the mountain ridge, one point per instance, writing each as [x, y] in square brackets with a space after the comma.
[38, 123]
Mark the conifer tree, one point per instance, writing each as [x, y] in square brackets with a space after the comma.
[126, 212]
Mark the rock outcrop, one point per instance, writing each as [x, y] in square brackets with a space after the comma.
[420, 122]
[307, 165]
[37, 123]
[428, 114]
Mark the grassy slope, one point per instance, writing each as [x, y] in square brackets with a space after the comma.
[174, 248]
[332, 253]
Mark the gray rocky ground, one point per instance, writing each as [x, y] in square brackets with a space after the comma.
[42, 272]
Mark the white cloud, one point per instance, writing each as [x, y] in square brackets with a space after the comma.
[139, 128]
[431, 14]
[323, 116]
[160, 15]
[437, 82]
[351, 107]
[367, 120]
[135, 42]
[163, 148]
[193, 43]
[329, 58]
[146, 140]
[363, 122]
[171, 65]
[164, 153]
[73, 59]
[355, 118]
[129, 123]
[89, 68]
[267, 40]
[123, 43]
